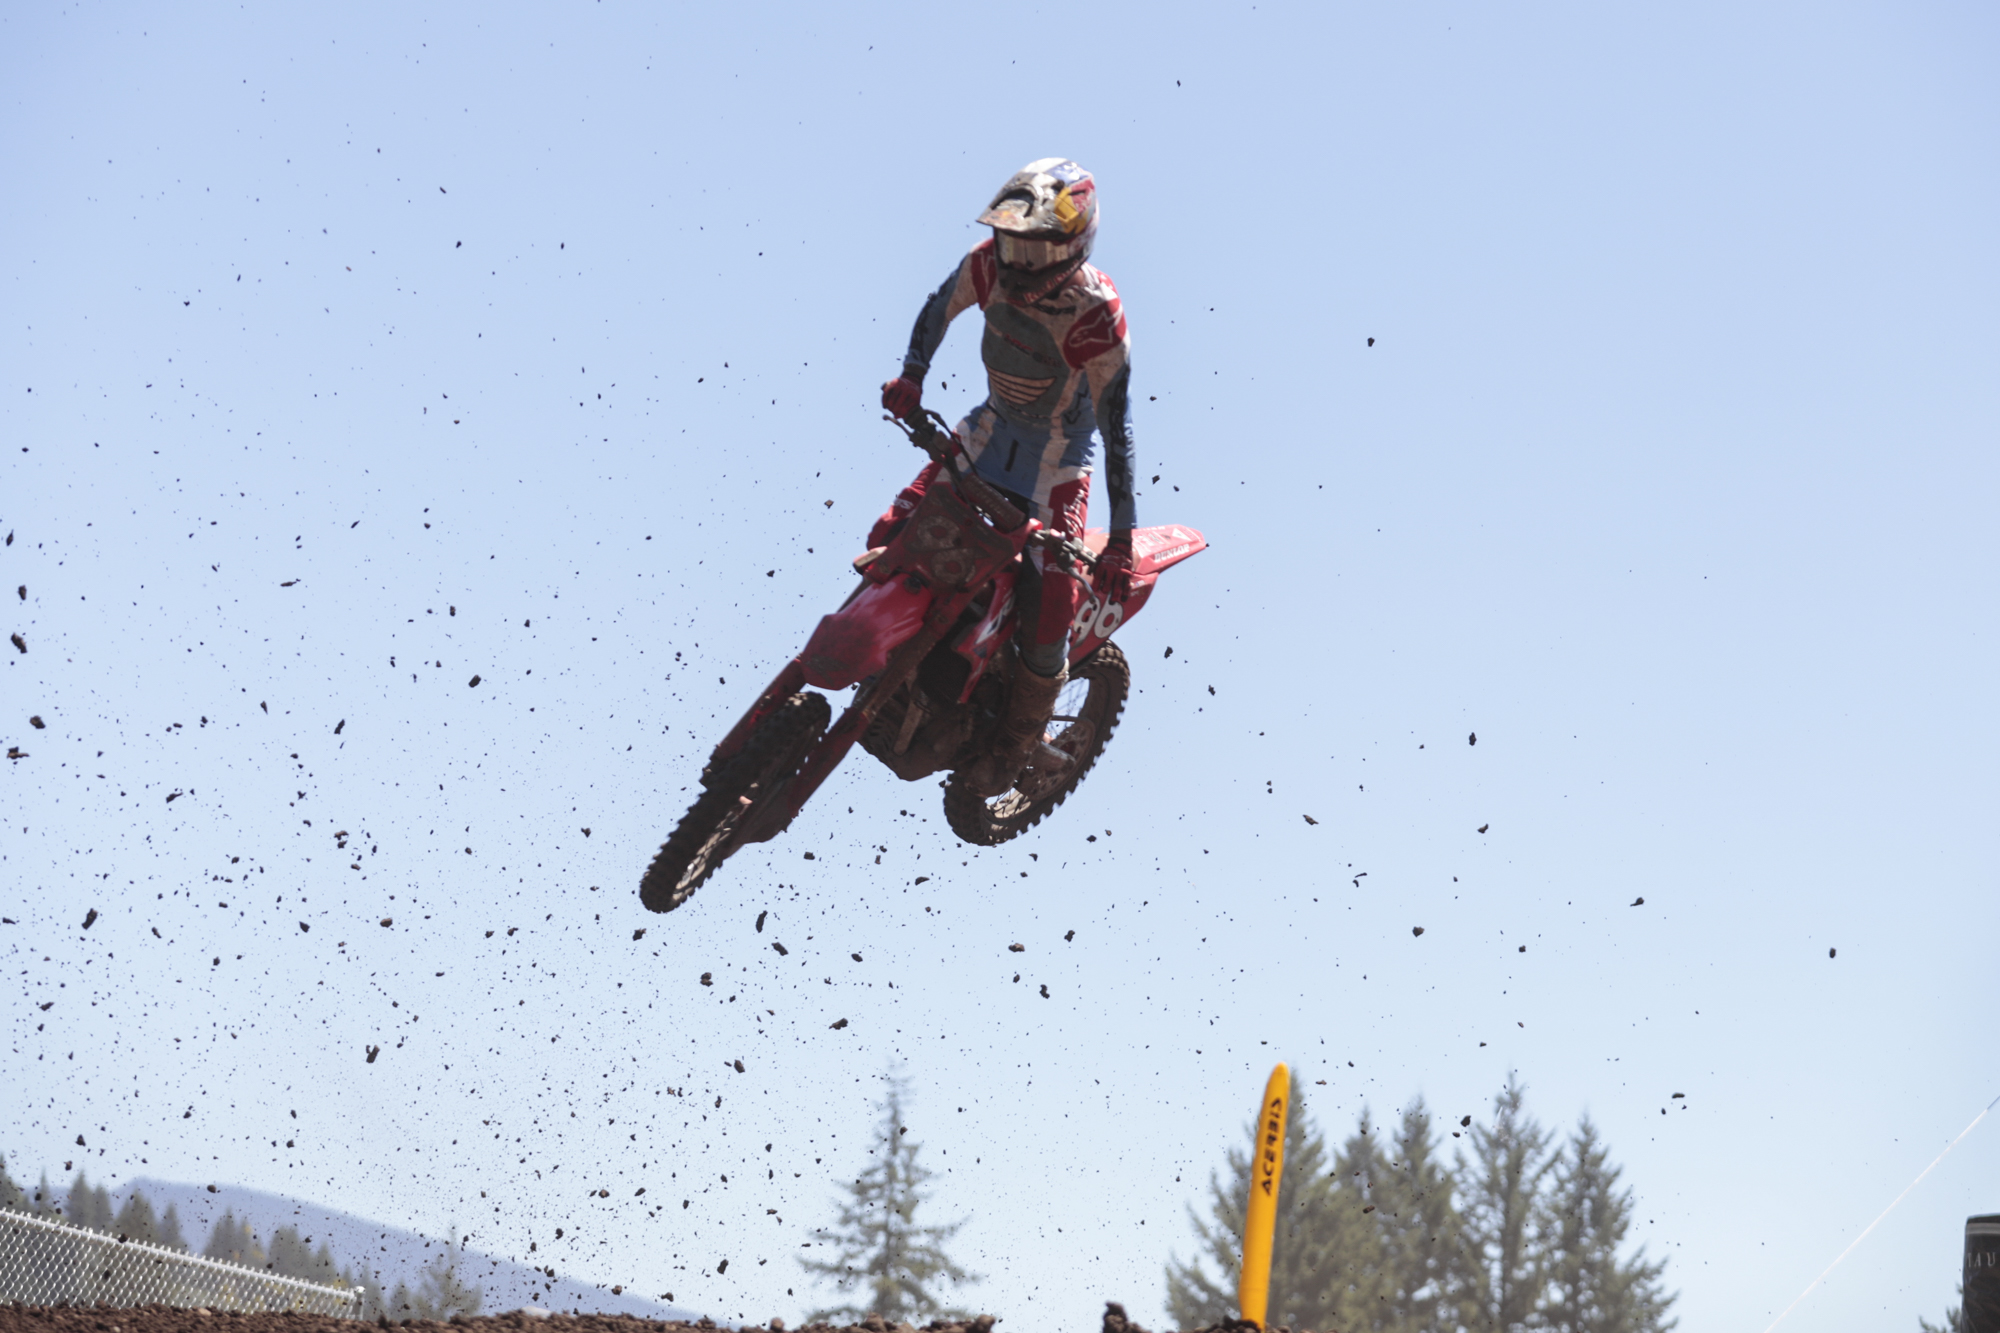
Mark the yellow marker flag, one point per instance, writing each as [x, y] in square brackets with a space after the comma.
[1260, 1218]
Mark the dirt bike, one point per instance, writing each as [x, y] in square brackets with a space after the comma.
[928, 639]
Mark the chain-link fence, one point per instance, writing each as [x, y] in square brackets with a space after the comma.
[44, 1261]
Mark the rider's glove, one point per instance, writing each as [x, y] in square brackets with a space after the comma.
[1112, 578]
[902, 395]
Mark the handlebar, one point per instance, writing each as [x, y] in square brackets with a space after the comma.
[925, 427]
[1055, 541]
[933, 434]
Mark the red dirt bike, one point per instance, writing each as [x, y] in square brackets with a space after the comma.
[928, 637]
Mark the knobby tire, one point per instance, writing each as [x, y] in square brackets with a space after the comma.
[735, 794]
[989, 822]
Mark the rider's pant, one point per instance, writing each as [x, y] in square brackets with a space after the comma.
[1046, 598]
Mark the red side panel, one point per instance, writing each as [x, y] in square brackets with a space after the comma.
[979, 642]
[1097, 620]
[855, 642]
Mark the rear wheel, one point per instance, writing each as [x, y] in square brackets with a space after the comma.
[1086, 713]
[738, 798]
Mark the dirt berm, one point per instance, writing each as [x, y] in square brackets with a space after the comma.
[163, 1319]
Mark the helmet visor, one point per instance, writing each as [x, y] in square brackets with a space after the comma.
[1028, 253]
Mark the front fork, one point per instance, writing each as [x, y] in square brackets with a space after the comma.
[788, 682]
[790, 796]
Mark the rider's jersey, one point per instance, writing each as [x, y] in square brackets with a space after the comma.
[1057, 374]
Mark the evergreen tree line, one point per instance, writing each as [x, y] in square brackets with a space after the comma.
[441, 1292]
[1514, 1231]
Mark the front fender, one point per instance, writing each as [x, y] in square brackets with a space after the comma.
[854, 642]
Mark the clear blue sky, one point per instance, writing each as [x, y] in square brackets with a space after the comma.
[1671, 473]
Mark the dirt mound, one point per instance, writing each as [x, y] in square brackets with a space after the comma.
[164, 1319]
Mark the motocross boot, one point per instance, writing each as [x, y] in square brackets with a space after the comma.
[1030, 703]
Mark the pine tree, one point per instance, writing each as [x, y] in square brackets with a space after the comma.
[1590, 1289]
[135, 1220]
[233, 1242]
[288, 1255]
[1326, 1257]
[321, 1267]
[222, 1242]
[444, 1292]
[373, 1306]
[1505, 1221]
[1425, 1262]
[87, 1207]
[878, 1247]
[10, 1193]
[399, 1302]
[44, 1201]
[170, 1229]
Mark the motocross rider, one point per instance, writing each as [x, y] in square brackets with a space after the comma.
[1058, 362]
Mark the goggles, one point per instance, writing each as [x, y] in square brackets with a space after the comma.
[1027, 253]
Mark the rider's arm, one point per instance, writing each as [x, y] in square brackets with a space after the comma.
[1114, 423]
[1101, 339]
[970, 284]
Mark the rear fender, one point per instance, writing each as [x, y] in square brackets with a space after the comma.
[1153, 550]
[855, 642]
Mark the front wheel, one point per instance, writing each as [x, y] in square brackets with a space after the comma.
[1086, 714]
[738, 800]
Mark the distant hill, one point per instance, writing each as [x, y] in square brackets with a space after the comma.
[388, 1254]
